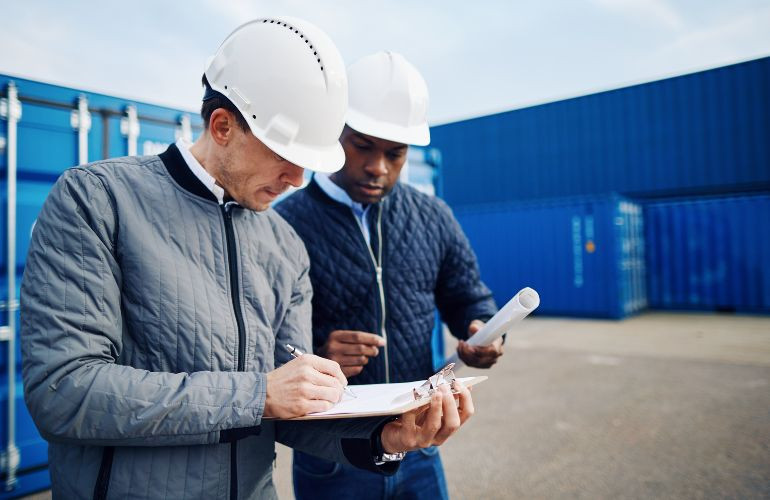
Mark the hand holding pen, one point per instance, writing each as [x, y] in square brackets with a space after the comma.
[307, 384]
[295, 353]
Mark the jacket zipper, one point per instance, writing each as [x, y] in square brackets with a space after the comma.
[232, 262]
[377, 262]
[105, 471]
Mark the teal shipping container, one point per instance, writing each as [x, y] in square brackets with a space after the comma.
[45, 129]
[584, 256]
[709, 254]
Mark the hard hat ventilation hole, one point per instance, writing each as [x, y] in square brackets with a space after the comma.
[301, 35]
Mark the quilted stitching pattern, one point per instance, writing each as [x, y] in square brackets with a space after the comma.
[129, 339]
[427, 262]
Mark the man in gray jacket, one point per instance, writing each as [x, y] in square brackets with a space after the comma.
[160, 290]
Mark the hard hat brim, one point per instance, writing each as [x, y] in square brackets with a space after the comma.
[418, 135]
[325, 160]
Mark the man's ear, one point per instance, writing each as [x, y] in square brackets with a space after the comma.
[221, 126]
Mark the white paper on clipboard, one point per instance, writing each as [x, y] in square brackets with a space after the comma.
[504, 321]
[376, 400]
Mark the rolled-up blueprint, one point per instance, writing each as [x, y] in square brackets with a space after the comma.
[503, 322]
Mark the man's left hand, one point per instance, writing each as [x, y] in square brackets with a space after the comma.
[479, 356]
[431, 425]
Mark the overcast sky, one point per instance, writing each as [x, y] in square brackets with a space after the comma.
[477, 56]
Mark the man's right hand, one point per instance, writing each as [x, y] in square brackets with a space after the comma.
[351, 349]
[307, 384]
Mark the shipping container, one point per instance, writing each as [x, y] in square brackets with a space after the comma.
[583, 255]
[709, 254]
[702, 133]
[45, 129]
[423, 170]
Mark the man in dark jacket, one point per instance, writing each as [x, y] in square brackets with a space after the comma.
[383, 257]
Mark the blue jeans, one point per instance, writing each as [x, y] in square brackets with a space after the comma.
[420, 476]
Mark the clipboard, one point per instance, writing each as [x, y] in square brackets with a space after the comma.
[379, 400]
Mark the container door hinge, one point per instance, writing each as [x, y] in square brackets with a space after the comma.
[11, 305]
[129, 127]
[9, 463]
[10, 107]
[184, 129]
[80, 119]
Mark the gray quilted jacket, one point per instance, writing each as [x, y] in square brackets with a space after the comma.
[149, 317]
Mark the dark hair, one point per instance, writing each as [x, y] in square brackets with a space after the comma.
[216, 101]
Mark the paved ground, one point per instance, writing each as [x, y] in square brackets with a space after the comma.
[656, 406]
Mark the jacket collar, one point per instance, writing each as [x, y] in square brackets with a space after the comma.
[178, 169]
[315, 191]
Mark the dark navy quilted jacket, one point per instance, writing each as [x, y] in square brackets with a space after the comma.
[427, 262]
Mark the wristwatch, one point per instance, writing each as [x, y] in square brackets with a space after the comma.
[378, 451]
[389, 457]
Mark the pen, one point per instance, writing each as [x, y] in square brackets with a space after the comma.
[295, 353]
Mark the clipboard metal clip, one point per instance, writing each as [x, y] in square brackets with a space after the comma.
[444, 376]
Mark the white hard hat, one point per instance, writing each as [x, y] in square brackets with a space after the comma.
[287, 79]
[388, 99]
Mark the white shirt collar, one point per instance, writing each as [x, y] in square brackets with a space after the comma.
[200, 172]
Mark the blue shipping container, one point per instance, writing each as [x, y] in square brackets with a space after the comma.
[709, 253]
[584, 256]
[702, 133]
[57, 128]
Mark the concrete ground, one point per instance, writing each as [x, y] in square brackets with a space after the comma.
[656, 406]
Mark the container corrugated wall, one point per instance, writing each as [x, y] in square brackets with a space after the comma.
[702, 133]
[47, 145]
[709, 253]
[584, 256]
